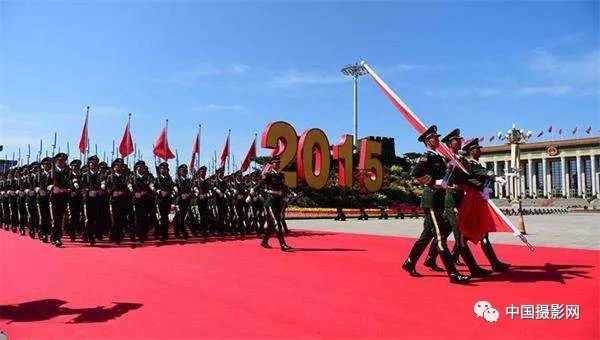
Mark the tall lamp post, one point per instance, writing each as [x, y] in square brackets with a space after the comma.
[355, 71]
[516, 137]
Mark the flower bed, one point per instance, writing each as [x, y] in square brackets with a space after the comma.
[298, 212]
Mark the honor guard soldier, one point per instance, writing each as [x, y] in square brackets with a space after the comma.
[430, 171]
[239, 196]
[32, 206]
[75, 200]
[59, 196]
[13, 185]
[120, 200]
[93, 192]
[275, 186]
[183, 196]
[105, 218]
[22, 199]
[3, 220]
[222, 210]
[456, 180]
[43, 196]
[481, 179]
[141, 186]
[257, 203]
[164, 199]
[202, 191]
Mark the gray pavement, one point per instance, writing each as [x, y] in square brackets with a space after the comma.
[574, 230]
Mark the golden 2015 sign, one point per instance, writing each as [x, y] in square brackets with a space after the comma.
[313, 157]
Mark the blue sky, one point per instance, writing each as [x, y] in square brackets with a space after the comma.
[239, 65]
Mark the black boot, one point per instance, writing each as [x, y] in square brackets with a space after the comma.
[456, 277]
[410, 268]
[500, 266]
[430, 263]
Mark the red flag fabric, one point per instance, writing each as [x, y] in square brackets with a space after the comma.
[195, 151]
[126, 145]
[481, 139]
[550, 129]
[83, 141]
[560, 131]
[476, 217]
[588, 130]
[492, 138]
[249, 156]
[225, 153]
[540, 134]
[161, 147]
[574, 130]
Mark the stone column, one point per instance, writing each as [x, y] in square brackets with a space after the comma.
[496, 186]
[593, 168]
[545, 179]
[530, 177]
[563, 176]
[579, 186]
[509, 179]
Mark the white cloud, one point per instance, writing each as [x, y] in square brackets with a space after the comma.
[294, 77]
[555, 90]
[460, 92]
[206, 70]
[217, 107]
[583, 70]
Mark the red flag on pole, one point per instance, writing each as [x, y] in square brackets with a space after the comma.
[126, 145]
[492, 138]
[161, 147]
[83, 141]
[550, 129]
[540, 134]
[560, 131]
[588, 130]
[575, 130]
[195, 151]
[481, 139]
[225, 152]
[249, 156]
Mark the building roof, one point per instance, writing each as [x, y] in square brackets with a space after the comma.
[569, 143]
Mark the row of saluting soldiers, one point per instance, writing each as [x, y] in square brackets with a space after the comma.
[49, 198]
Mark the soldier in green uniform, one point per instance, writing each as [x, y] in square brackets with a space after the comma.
[275, 186]
[164, 198]
[454, 196]
[430, 171]
[482, 178]
[59, 196]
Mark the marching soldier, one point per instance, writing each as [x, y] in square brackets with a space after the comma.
[104, 225]
[93, 192]
[202, 191]
[22, 198]
[141, 185]
[482, 178]
[13, 184]
[454, 195]
[3, 220]
[239, 197]
[59, 196]
[32, 205]
[164, 191]
[222, 210]
[120, 200]
[44, 180]
[275, 185]
[430, 171]
[75, 200]
[183, 196]
[257, 204]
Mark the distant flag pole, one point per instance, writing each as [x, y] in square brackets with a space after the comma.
[199, 141]
[40, 151]
[68, 149]
[195, 151]
[492, 138]
[225, 152]
[28, 153]
[19, 158]
[588, 130]
[112, 154]
[540, 134]
[574, 132]
[176, 159]
[54, 145]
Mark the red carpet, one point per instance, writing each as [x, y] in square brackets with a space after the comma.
[332, 286]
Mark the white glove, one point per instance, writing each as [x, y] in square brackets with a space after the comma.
[440, 183]
[500, 180]
[486, 193]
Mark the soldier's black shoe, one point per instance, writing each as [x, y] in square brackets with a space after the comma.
[459, 278]
[500, 266]
[458, 263]
[45, 238]
[265, 245]
[32, 234]
[23, 232]
[410, 268]
[285, 247]
[92, 241]
[57, 243]
[430, 263]
[480, 272]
